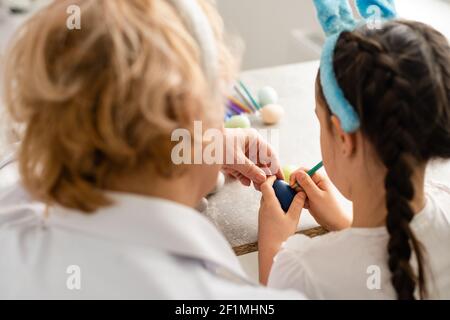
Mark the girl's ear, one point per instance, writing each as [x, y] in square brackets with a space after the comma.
[346, 140]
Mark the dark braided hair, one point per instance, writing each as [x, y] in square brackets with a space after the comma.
[398, 80]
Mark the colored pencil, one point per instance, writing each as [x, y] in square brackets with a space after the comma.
[310, 173]
[253, 100]
[233, 108]
[244, 98]
[315, 169]
[240, 105]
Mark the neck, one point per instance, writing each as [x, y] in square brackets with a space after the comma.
[369, 206]
[181, 189]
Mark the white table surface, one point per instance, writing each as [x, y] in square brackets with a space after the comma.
[234, 210]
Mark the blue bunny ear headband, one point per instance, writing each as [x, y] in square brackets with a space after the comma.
[336, 16]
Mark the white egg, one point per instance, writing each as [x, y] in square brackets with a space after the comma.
[219, 184]
[202, 206]
[267, 95]
[272, 114]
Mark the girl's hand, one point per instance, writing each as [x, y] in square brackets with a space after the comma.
[275, 226]
[321, 202]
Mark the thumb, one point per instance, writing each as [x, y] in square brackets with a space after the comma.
[297, 206]
[307, 184]
[251, 171]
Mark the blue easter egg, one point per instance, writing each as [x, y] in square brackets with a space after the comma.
[284, 193]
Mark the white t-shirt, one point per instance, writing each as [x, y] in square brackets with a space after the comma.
[352, 264]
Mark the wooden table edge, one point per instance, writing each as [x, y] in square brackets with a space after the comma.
[253, 247]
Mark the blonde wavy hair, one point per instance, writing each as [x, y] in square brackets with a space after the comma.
[103, 101]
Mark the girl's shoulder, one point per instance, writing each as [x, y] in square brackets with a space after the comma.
[438, 206]
[304, 244]
[434, 220]
[438, 191]
[343, 258]
[334, 241]
[336, 248]
[317, 266]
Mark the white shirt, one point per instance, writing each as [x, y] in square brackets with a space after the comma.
[342, 265]
[140, 248]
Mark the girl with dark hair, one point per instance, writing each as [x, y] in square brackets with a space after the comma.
[396, 245]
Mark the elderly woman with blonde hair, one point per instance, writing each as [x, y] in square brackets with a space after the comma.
[106, 203]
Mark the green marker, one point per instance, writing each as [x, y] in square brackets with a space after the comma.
[253, 100]
[311, 173]
[315, 169]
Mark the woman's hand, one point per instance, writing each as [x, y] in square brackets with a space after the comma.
[321, 201]
[275, 226]
[250, 158]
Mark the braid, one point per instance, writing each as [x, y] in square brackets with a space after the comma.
[394, 144]
[386, 97]
[398, 80]
[399, 192]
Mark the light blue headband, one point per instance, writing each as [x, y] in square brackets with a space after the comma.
[336, 16]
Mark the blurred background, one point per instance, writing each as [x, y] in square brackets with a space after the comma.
[279, 32]
[274, 32]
